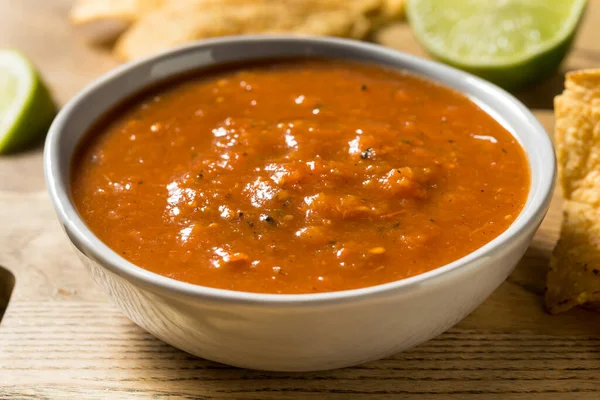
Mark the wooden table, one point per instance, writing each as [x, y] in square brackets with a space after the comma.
[62, 338]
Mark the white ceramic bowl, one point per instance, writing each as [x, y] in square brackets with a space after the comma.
[308, 331]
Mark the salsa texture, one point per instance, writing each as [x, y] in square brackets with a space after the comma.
[298, 176]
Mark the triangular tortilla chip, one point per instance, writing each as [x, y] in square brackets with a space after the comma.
[574, 275]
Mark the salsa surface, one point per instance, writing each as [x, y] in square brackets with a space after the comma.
[298, 177]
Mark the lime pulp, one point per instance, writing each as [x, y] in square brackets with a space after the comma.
[26, 107]
[509, 42]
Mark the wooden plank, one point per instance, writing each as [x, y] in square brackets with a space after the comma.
[61, 338]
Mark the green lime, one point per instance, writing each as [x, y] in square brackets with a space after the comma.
[26, 107]
[508, 42]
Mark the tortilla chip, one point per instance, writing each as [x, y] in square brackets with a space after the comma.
[181, 21]
[574, 275]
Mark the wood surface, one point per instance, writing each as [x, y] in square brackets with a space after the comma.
[61, 338]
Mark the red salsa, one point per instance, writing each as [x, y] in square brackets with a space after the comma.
[298, 176]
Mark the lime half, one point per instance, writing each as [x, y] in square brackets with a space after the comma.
[26, 108]
[508, 42]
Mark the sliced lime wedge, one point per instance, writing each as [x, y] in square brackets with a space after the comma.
[26, 108]
[509, 42]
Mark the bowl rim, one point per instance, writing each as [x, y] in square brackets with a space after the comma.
[530, 215]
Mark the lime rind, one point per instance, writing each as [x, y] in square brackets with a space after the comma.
[28, 112]
[512, 70]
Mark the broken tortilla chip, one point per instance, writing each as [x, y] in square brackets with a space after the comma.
[574, 275]
[173, 25]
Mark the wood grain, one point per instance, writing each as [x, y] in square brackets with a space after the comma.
[61, 338]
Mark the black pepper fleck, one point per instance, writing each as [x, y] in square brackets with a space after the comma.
[268, 219]
[366, 154]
